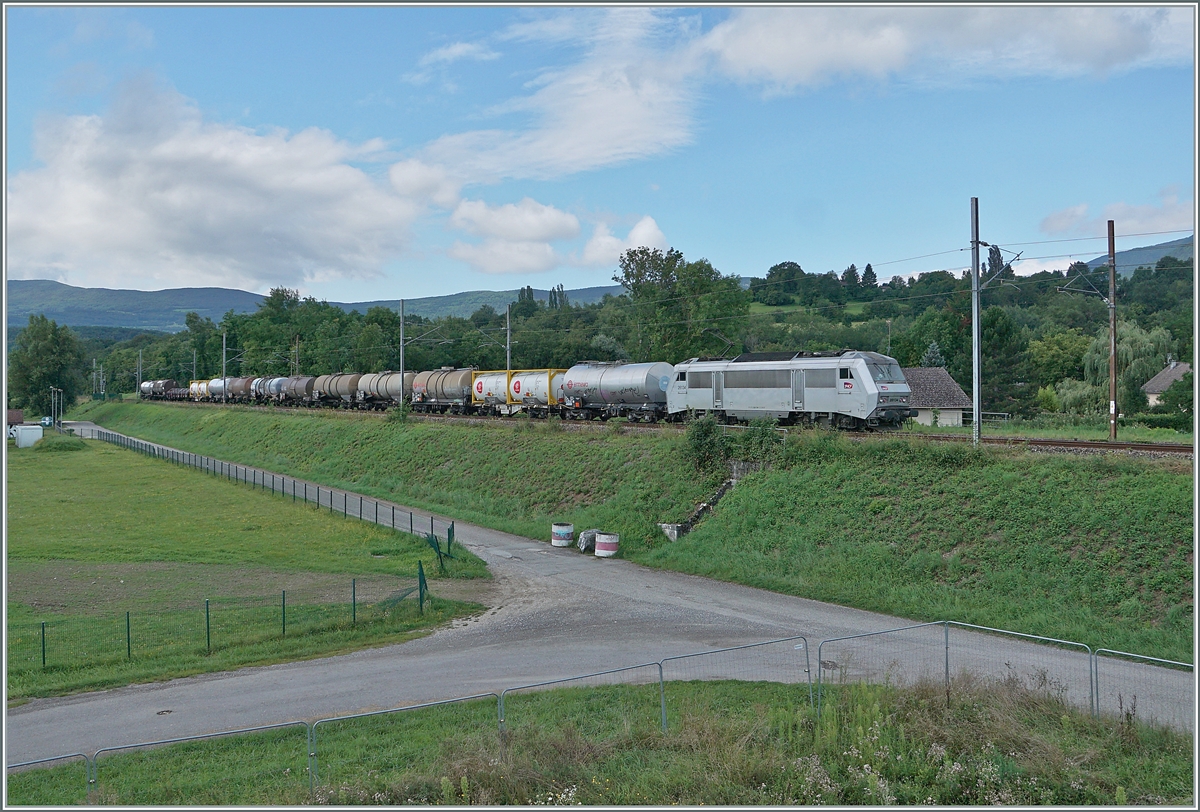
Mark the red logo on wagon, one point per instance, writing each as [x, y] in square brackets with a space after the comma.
[847, 384]
[479, 387]
[517, 387]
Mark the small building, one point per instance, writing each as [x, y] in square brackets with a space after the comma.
[933, 390]
[15, 417]
[1161, 382]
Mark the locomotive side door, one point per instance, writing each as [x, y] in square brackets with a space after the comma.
[797, 389]
[846, 383]
[718, 390]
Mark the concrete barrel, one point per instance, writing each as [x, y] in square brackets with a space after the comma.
[606, 544]
[562, 534]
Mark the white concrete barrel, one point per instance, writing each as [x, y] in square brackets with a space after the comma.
[606, 544]
[562, 534]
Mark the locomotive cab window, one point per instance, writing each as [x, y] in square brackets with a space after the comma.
[845, 375]
[681, 376]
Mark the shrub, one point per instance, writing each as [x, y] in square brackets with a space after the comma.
[705, 444]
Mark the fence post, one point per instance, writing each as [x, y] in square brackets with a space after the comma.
[283, 606]
[431, 524]
[946, 629]
[207, 628]
[353, 603]
[43, 645]
[128, 639]
[410, 523]
[662, 697]
[421, 586]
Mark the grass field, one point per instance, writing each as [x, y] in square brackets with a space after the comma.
[727, 743]
[1093, 549]
[101, 532]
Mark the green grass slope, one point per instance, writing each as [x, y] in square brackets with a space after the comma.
[1093, 549]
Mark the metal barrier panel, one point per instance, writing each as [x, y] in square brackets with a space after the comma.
[279, 765]
[32, 785]
[1060, 668]
[902, 656]
[784, 661]
[618, 701]
[1161, 692]
[412, 733]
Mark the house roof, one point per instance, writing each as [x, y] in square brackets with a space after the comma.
[933, 388]
[1160, 382]
[16, 417]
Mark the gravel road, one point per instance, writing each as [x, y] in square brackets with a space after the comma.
[555, 613]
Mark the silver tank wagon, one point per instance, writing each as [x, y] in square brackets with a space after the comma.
[442, 390]
[613, 389]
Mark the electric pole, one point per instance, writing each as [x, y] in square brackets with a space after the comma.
[224, 385]
[139, 376]
[976, 338]
[508, 337]
[1112, 332]
[401, 350]
[193, 363]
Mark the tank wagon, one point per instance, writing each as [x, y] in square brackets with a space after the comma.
[156, 389]
[379, 390]
[844, 389]
[443, 390]
[598, 389]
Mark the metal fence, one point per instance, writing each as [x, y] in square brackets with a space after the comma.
[337, 501]
[207, 624]
[1114, 682]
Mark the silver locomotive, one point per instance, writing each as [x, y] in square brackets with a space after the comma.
[844, 389]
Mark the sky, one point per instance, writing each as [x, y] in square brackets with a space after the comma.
[385, 152]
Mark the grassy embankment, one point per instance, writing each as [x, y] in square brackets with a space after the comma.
[102, 531]
[1093, 549]
[728, 743]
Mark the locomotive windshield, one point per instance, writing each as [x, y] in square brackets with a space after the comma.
[886, 373]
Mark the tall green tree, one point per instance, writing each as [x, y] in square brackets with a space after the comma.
[44, 355]
[1141, 354]
[681, 308]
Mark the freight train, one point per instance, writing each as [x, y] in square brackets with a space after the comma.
[845, 389]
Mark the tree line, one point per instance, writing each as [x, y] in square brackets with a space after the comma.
[1043, 350]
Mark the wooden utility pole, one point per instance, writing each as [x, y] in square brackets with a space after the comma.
[1112, 331]
[224, 381]
[401, 351]
[508, 337]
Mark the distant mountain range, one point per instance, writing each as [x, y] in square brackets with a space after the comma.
[164, 310]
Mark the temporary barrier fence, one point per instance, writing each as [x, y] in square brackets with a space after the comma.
[925, 645]
[1125, 687]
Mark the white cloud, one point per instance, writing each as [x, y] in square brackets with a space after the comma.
[605, 249]
[629, 98]
[1172, 214]
[506, 256]
[420, 181]
[458, 50]
[788, 47]
[522, 222]
[150, 195]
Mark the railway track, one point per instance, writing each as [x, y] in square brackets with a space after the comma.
[1038, 443]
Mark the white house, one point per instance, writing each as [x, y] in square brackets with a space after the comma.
[1163, 380]
[934, 390]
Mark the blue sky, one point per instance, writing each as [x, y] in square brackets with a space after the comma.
[390, 152]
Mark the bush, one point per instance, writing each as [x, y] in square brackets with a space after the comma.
[1180, 421]
[59, 442]
[705, 444]
[761, 442]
